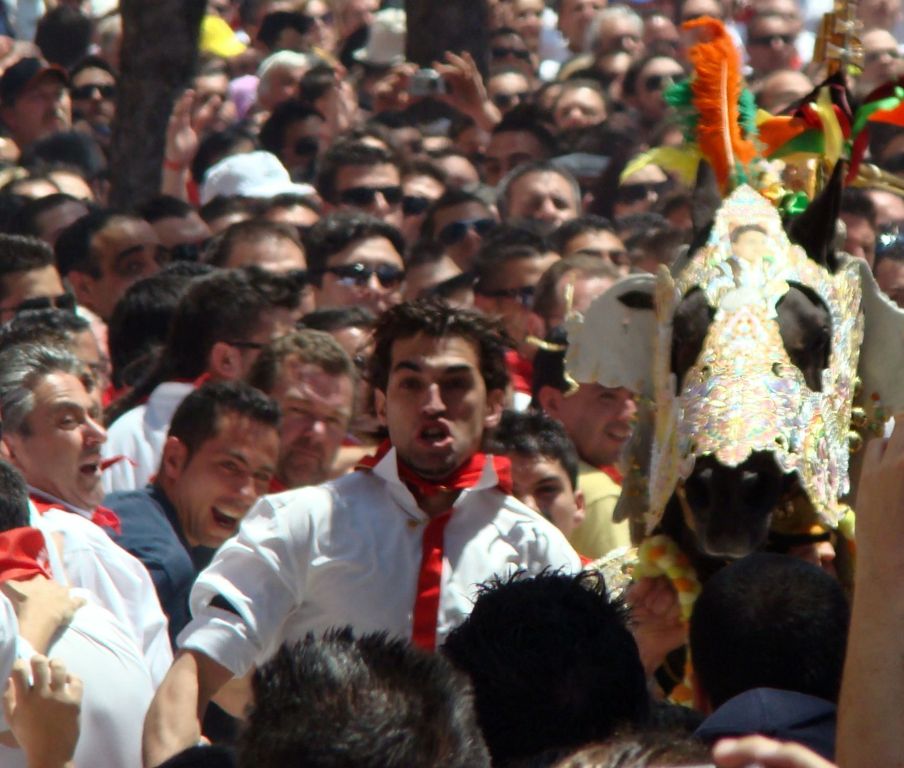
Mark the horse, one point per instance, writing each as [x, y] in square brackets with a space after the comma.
[754, 358]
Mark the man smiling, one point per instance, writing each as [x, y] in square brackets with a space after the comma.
[400, 545]
[219, 456]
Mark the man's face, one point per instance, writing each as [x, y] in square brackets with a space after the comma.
[861, 238]
[367, 273]
[881, 58]
[508, 89]
[126, 251]
[42, 109]
[276, 254]
[215, 487]
[212, 110]
[542, 484]
[579, 108]
[770, 44]
[35, 284]
[599, 420]
[456, 228]
[436, 405]
[301, 143]
[783, 88]
[317, 408]
[620, 34]
[890, 277]
[182, 230]
[511, 50]
[507, 150]
[600, 243]
[94, 96]
[750, 245]
[509, 294]
[574, 19]
[542, 196]
[584, 289]
[374, 189]
[60, 454]
[652, 80]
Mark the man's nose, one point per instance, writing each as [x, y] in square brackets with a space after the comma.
[433, 402]
[94, 432]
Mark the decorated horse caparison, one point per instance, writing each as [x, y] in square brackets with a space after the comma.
[754, 358]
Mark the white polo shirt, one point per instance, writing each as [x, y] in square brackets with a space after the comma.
[349, 552]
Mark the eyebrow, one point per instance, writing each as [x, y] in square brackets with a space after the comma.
[410, 365]
[129, 251]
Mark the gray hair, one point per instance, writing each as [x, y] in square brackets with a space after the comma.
[503, 190]
[285, 60]
[22, 368]
[610, 12]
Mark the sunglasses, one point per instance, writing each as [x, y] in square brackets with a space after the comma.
[501, 53]
[306, 145]
[524, 295]
[65, 301]
[615, 255]
[366, 196]
[359, 275]
[455, 232]
[506, 100]
[888, 240]
[660, 82]
[634, 193]
[86, 91]
[299, 277]
[771, 40]
[415, 205]
[323, 18]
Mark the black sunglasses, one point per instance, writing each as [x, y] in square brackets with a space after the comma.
[359, 274]
[456, 231]
[501, 53]
[65, 301]
[524, 295]
[506, 100]
[323, 18]
[641, 190]
[364, 196]
[770, 39]
[659, 82]
[106, 91]
[415, 205]
[307, 145]
[299, 277]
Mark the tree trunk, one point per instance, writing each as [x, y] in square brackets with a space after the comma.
[159, 49]
[435, 26]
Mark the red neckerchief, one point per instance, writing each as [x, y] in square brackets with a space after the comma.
[102, 516]
[277, 485]
[520, 370]
[466, 476]
[612, 471]
[23, 555]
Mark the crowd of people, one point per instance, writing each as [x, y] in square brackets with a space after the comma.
[293, 472]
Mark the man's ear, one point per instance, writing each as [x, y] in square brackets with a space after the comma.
[495, 406]
[380, 405]
[174, 458]
[224, 362]
[550, 400]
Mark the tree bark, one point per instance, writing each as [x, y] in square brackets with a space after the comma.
[159, 50]
[436, 26]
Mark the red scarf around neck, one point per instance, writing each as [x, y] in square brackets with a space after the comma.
[466, 476]
[23, 555]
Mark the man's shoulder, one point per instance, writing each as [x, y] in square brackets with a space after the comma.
[595, 483]
[140, 512]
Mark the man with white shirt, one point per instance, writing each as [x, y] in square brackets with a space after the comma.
[51, 434]
[400, 545]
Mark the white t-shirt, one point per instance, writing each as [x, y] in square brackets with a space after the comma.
[348, 552]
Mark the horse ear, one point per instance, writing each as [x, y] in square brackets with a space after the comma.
[706, 200]
[815, 229]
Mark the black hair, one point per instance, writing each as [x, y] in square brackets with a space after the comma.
[343, 154]
[219, 251]
[273, 132]
[373, 702]
[437, 319]
[223, 206]
[273, 25]
[140, 324]
[857, 202]
[579, 226]
[337, 318]
[92, 62]
[549, 365]
[164, 207]
[506, 243]
[197, 418]
[770, 621]
[552, 662]
[14, 511]
[26, 222]
[215, 146]
[532, 434]
[22, 254]
[72, 151]
[73, 246]
[316, 83]
[337, 231]
[527, 118]
[64, 35]
[54, 327]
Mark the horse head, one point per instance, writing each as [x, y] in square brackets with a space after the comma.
[753, 344]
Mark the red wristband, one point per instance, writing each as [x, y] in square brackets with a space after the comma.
[171, 165]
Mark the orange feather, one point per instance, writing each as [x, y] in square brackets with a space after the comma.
[716, 87]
